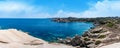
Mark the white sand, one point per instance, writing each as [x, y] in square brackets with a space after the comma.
[115, 45]
[13, 38]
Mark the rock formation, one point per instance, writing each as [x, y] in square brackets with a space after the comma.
[13, 38]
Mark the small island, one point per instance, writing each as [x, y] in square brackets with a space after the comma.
[105, 32]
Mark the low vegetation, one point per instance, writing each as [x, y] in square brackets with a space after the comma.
[102, 36]
[86, 39]
[110, 24]
[97, 42]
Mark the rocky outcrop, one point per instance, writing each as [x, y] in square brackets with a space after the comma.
[13, 38]
[114, 45]
[78, 41]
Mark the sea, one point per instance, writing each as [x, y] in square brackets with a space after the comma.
[46, 29]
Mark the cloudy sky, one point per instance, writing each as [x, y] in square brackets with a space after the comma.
[58, 8]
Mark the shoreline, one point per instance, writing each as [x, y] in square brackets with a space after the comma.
[76, 39]
[101, 35]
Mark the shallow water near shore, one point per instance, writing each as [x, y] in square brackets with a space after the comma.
[46, 29]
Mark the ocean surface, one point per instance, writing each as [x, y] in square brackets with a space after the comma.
[46, 29]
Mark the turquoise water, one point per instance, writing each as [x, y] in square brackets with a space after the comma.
[46, 29]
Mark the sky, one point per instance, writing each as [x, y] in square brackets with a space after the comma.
[59, 8]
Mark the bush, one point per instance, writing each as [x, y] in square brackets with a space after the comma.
[110, 24]
[86, 39]
[102, 36]
[97, 42]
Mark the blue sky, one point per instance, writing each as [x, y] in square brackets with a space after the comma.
[58, 8]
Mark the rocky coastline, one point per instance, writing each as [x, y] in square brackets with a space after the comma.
[100, 35]
[87, 40]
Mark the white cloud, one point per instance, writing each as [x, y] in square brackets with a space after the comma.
[100, 9]
[21, 10]
[7, 7]
[62, 13]
[17, 10]
[103, 9]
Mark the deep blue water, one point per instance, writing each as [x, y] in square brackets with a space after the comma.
[45, 28]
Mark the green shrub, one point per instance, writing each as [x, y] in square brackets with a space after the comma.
[86, 39]
[102, 36]
[110, 24]
[97, 42]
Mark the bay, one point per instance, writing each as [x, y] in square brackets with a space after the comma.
[46, 29]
